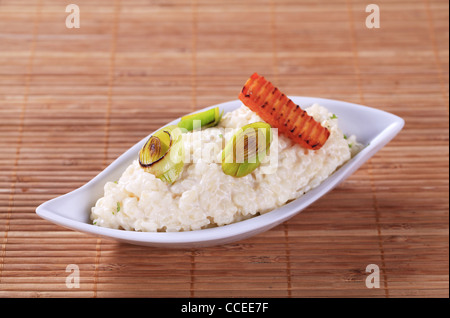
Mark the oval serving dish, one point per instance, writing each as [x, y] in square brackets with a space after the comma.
[373, 128]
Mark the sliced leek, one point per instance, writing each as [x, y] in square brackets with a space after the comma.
[244, 152]
[206, 119]
[163, 154]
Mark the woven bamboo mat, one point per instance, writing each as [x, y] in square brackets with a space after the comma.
[72, 100]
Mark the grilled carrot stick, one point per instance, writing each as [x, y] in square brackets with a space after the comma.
[280, 112]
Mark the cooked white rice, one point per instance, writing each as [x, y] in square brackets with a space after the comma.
[205, 197]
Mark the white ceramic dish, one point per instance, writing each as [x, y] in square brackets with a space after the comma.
[372, 127]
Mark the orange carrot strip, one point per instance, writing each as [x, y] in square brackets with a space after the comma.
[280, 112]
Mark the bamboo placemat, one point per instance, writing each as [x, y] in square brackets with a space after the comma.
[72, 100]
